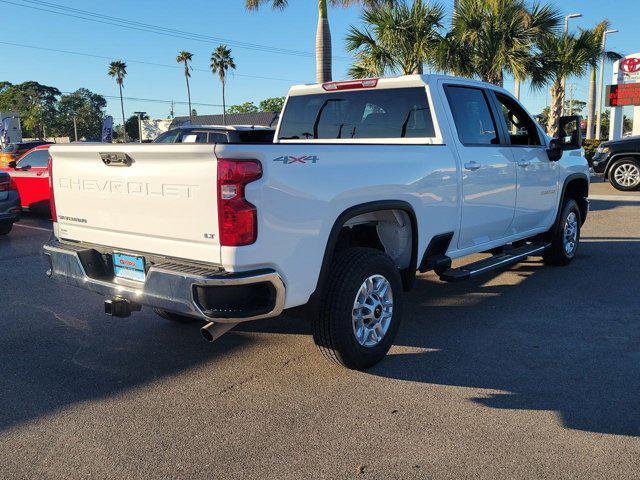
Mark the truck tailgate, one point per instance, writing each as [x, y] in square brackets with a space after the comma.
[159, 199]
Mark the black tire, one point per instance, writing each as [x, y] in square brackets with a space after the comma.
[627, 163]
[333, 330]
[174, 317]
[5, 228]
[557, 254]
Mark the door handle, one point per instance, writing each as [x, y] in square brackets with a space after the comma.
[472, 165]
[524, 163]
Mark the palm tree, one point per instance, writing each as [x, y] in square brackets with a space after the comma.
[595, 57]
[489, 38]
[561, 56]
[185, 57]
[396, 38]
[221, 62]
[118, 70]
[323, 32]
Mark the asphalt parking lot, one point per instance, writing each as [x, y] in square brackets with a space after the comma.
[529, 373]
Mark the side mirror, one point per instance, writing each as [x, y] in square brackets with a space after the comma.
[570, 135]
[554, 152]
[12, 164]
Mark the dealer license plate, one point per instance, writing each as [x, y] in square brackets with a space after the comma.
[129, 267]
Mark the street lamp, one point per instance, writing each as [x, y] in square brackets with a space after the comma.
[601, 83]
[566, 34]
[140, 114]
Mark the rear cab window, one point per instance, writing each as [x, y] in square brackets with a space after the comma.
[389, 113]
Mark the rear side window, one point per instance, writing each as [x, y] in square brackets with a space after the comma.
[37, 159]
[472, 116]
[361, 114]
[168, 137]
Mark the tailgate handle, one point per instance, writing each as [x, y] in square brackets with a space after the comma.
[116, 159]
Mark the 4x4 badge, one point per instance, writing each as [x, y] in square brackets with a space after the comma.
[289, 159]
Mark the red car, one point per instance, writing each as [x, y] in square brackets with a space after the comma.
[31, 176]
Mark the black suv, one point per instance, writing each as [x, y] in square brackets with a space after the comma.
[619, 162]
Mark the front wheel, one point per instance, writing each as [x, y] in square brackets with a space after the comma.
[361, 311]
[625, 175]
[5, 227]
[565, 235]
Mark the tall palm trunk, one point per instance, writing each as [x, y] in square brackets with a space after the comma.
[555, 109]
[224, 106]
[323, 45]
[124, 122]
[186, 76]
[516, 88]
[591, 104]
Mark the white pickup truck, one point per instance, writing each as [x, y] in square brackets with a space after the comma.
[367, 182]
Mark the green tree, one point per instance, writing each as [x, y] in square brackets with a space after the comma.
[561, 56]
[132, 126]
[87, 107]
[396, 38]
[274, 104]
[35, 103]
[185, 57]
[221, 63]
[118, 70]
[246, 107]
[489, 38]
[323, 32]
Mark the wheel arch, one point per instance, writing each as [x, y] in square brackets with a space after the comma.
[616, 157]
[575, 186]
[408, 274]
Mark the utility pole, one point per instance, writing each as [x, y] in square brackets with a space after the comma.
[601, 85]
[140, 114]
[566, 34]
[75, 127]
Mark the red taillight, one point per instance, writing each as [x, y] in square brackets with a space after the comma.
[52, 201]
[237, 218]
[351, 84]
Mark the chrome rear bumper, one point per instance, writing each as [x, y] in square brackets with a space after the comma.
[182, 288]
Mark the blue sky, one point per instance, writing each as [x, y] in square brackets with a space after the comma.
[291, 29]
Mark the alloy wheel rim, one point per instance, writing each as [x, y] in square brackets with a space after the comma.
[627, 175]
[372, 311]
[570, 233]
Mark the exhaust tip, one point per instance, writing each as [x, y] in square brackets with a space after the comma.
[206, 334]
[213, 331]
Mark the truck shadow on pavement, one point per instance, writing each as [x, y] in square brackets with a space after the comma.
[565, 340]
[538, 338]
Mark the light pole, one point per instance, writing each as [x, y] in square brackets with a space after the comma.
[601, 84]
[75, 127]
[566, 34]
[140, 114]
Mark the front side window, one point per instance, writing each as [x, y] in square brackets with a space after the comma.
[37, 159]
[521, 127]
[472, 116]
[362, 114]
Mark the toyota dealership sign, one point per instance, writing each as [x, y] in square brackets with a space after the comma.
[624, 91]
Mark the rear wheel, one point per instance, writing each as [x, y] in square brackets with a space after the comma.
[5, 227]
[361, 311]
[625, 175]
[565, 235]
[174, 317]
